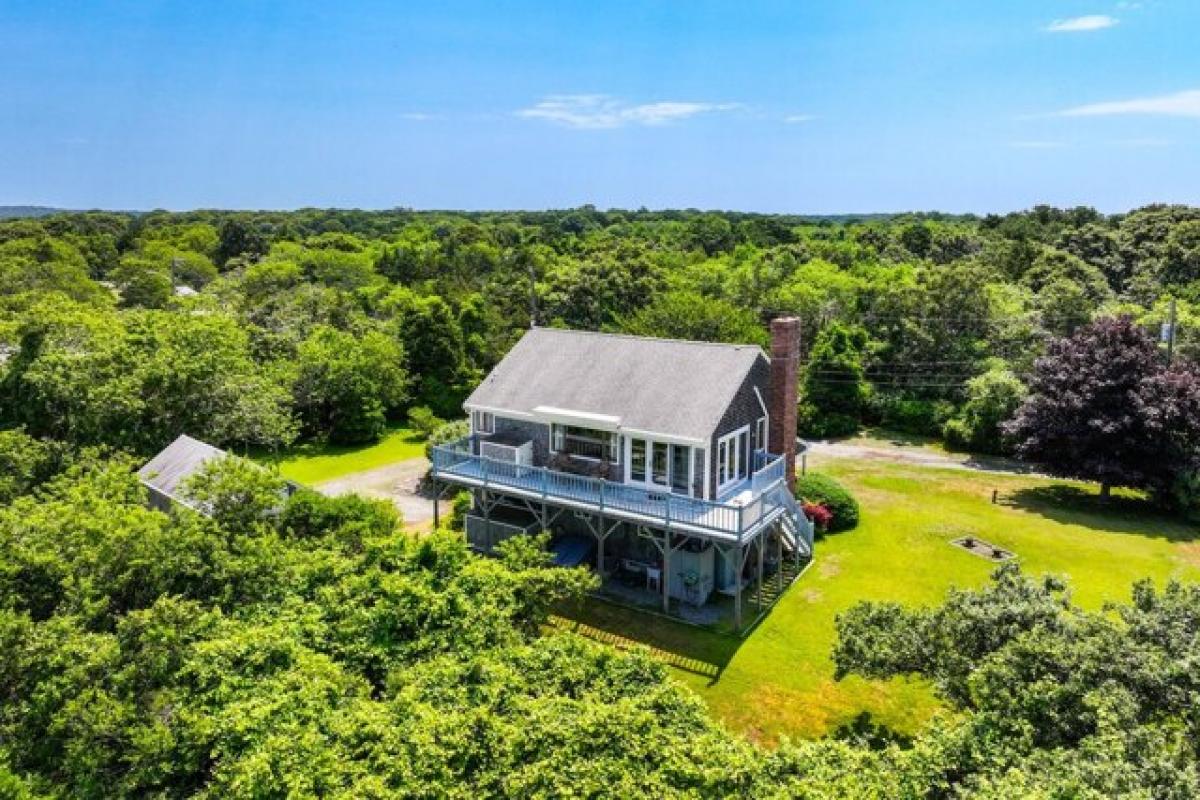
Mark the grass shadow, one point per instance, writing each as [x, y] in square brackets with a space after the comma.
[689, 648]
[863, 730]
[1121, 513]
[986, 463]
[897, 438]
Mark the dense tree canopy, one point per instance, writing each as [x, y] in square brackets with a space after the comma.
[311, 648]
[941, 301]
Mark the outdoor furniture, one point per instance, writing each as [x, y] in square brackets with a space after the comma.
[630, 572]
[653, 576]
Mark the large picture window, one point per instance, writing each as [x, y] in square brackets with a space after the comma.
[583, 442]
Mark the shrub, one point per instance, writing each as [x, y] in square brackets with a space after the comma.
[459, 509]
[825, 491]
[910, 415]
[818, 514]
[1185, 495]
[309, 514]
[817, 424]
[992, 399]
[447, 432]
[424, 421]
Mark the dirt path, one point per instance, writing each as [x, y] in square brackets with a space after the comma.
[396, 482]
[902, 453]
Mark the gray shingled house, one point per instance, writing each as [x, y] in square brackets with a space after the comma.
[667, 464]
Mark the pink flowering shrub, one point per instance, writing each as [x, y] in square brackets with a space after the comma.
[818, 514]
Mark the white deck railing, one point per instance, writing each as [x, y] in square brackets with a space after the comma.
[460, 462]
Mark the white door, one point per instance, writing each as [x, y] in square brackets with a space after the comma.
[652, 465]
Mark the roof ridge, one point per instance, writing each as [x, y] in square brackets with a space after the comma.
[617, 335]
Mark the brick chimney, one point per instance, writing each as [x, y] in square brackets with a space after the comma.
[785, 366]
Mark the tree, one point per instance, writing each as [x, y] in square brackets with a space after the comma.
[688, 315]
[42, 264]
[143, 283]
[346, 385]
[25, 462]
[992, 399]
[1054, 265]
[1099, 246]
[238, 237]
[1103, 407]
[917, 238]
[1182, 254]
[236, 492]
[835, 387]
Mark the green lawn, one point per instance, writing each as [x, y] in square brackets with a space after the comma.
[779, 680]
[314, 463]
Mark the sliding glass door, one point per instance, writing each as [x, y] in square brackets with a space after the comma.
[659, 465]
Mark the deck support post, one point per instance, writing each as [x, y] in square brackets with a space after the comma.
[761, 548]
[437, 493]
[600, 551]
[779, 560]
[739, 562]
[600, 528]
[666, 572]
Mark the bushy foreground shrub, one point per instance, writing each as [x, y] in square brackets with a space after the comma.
[448, 432]
[825, 491]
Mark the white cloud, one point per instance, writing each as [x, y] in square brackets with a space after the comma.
[597, 111]
[1090, 22]
[419, 116]
[792, 119]
[1180, 104]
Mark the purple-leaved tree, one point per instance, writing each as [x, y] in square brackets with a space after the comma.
[1104, 407]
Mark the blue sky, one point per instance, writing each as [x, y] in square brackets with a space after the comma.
[816, 107]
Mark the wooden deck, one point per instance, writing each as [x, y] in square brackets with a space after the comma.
[727, 522]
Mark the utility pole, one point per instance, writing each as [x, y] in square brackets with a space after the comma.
[1170, 332]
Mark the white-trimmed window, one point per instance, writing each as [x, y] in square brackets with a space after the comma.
[760, 434]
[732, 449]
[483, 421]
[583, 442]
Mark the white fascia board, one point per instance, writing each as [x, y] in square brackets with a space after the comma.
[586, 419]
[664, 437]
[761, 404]
[499, 412]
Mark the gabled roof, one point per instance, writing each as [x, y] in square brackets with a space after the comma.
[180, 460]
[664, 386]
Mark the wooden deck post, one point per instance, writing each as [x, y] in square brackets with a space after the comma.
[759, 601]
[666, 572]
[779, 561]
[600, 550]
[737, 590]
[437, 492]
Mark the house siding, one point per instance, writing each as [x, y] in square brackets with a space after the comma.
[536, 432]
[743, 410]
[539, 434]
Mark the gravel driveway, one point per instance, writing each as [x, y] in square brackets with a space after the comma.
[396, 482]
[900, 453]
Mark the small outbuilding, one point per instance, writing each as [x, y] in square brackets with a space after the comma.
[165, 474]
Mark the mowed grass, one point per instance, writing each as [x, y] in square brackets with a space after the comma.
[313, 463]
[779, 680]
